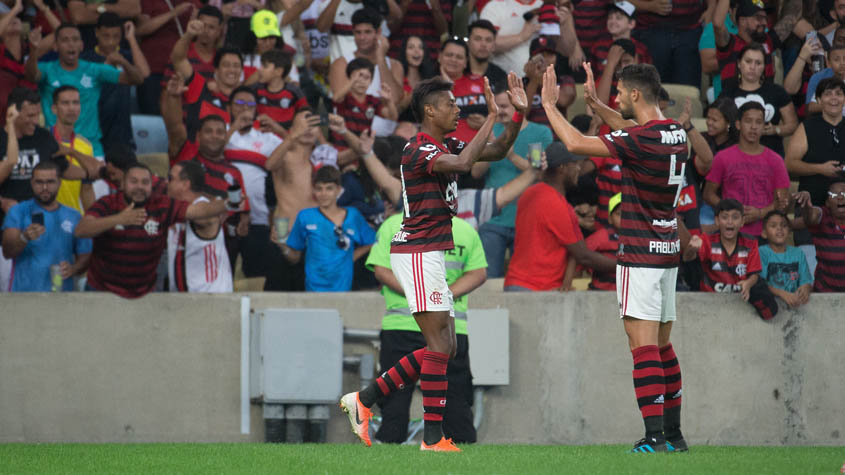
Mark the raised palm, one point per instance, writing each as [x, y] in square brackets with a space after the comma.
[516, 93]
[589, 85]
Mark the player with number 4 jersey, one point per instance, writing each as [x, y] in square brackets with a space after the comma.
[417, 253]
[653, 151]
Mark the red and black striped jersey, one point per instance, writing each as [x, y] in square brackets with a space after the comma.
[200, 66]
[653, 158]
[125, 258]
[686, 15]
[219, 175]
[829, 239]
[722, 272]
[609, 182]
[430, 199]
[418, 22]
[358, 115]
[469, 97]
[729, 55]
[590, 21]
[199, 102]
[598, 54]
[281, 106]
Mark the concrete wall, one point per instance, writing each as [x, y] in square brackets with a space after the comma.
[87, 367]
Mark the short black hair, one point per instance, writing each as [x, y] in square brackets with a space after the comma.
[242, 88]
[748, 106]
[728, 204]
[59, 90]
[828, 84]
[327, 174]
[218, 56]
[120, 155]
[279, 59]
[109, 20]
[193, 172]
[426, 92]
[772, 213]
[582, 122]
[211, 118]
[19, 95]
[212, 11]
[389, 150]
[644, 78]
[137, 164]
[48, 165]
[367, 15]
[627, 45]
[64, 26]
[483, 24]
[359, 63]
[500, 87]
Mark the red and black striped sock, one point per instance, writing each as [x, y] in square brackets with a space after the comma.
[433, 383]
[649, 387]
[672, 403]
[403, 373]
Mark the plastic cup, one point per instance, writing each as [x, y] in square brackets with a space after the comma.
[535, 154]
[282, 228]
[56, 280]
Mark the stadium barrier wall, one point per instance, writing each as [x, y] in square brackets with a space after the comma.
[96, 368]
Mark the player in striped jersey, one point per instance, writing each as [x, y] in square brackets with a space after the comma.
[653, 151]
[429, 194]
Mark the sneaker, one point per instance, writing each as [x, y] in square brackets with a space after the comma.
[445, 445]
[677, 445]
[649, 445]
[359, 416]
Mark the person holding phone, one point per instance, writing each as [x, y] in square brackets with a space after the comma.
[38, 234]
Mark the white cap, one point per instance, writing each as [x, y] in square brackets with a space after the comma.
[627, 7]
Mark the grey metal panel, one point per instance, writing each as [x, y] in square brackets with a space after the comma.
[302, 352]
[489, 346]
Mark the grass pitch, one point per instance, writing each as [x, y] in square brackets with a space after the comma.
[383, 459]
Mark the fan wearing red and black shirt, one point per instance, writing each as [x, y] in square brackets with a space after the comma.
[201, 97]
[130, 233]
[278, 100]
[752, 24]
[620, 24]
[358, 108]
[730, 260]
[653, 151]
[827, 225]
[428, 171]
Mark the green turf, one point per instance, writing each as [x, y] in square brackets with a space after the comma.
[355, 459]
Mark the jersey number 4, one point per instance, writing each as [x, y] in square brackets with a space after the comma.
[676, 179]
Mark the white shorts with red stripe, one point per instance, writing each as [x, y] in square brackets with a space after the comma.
[422, 276]
[646, 293]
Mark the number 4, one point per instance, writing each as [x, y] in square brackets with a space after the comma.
[676, 179]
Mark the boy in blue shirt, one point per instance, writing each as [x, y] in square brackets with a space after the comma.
[331, 237]
[785, 269]
[38, 233]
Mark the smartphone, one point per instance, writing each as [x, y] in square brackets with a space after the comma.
[38, 218]
[324, 120]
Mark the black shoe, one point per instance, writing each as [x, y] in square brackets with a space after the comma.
[677, 445]
[649, 445]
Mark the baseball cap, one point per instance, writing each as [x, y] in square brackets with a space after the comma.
[748, 8]
[264, 23]
[625, 7]
[615, 200]
[557, 155]
[543, 44]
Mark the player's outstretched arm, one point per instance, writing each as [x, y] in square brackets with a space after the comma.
[573, 139]
[462, 163]
[498, 149]
[612, 118]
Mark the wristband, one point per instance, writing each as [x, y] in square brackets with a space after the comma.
[517, 117]
[691, 126]
[24, 239]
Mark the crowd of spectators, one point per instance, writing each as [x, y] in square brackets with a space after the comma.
[286, 120]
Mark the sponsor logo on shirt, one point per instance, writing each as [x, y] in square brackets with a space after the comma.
[151, 227]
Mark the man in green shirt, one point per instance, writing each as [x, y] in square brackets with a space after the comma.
[466, 269]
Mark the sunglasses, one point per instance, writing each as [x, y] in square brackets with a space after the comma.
[460, 39]
[342, 241]
[833, 195]
[242, 102]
